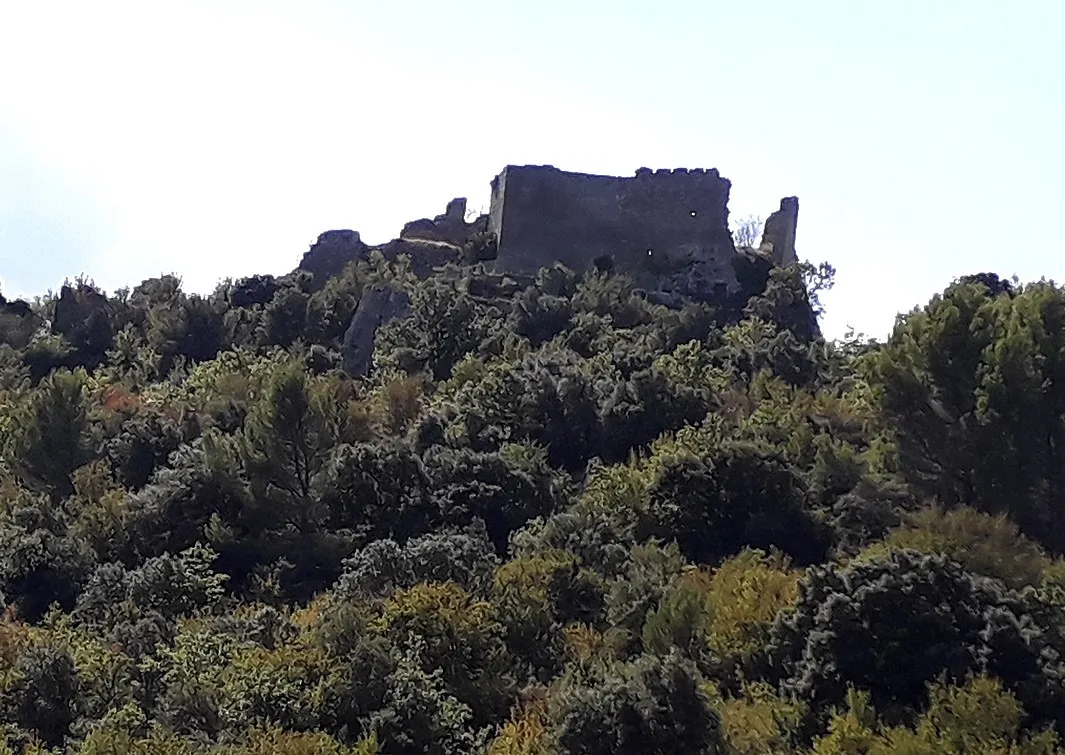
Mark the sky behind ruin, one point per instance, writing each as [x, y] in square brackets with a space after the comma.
[213, 139]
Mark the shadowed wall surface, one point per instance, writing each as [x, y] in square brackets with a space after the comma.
[664, 228]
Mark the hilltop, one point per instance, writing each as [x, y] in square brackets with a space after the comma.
[401, 504]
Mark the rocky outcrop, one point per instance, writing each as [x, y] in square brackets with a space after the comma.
[335, 250]
[378, 306]
[248, 292]
[449, 228]
[79, 309]
[425, 256]
[331, 253]
[666, 229]
[17, 308]
[497, 286]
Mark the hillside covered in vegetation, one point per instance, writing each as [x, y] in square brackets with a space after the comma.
[554, 518]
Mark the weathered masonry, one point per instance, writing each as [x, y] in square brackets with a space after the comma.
[667, 229]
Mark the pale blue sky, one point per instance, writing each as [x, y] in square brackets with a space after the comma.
[212, 139]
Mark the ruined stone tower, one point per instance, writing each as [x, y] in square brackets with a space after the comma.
[667, 229]
[778, 236]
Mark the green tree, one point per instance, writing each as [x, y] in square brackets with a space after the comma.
[974, 386]
[42, 693]
[739, 496]
[853, 625]
[459, 635]
[283, 443]
[444, 325]
[983, 544]
[656, 705]
[51, 434]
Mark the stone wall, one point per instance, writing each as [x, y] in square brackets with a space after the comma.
[450, 228]
[778, 236]
[668, 229]
[335, 250]
[331, 253]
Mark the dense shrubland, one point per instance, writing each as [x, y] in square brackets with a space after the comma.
[556, 520]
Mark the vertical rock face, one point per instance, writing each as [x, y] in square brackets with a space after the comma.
[778, 236]
[667, 229]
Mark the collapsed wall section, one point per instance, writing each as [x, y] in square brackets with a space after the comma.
[778, 236]
[668, 229]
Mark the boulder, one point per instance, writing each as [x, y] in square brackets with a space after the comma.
[378, 306]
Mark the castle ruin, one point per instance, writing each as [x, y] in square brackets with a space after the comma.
[778, 236]
[668, 230]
